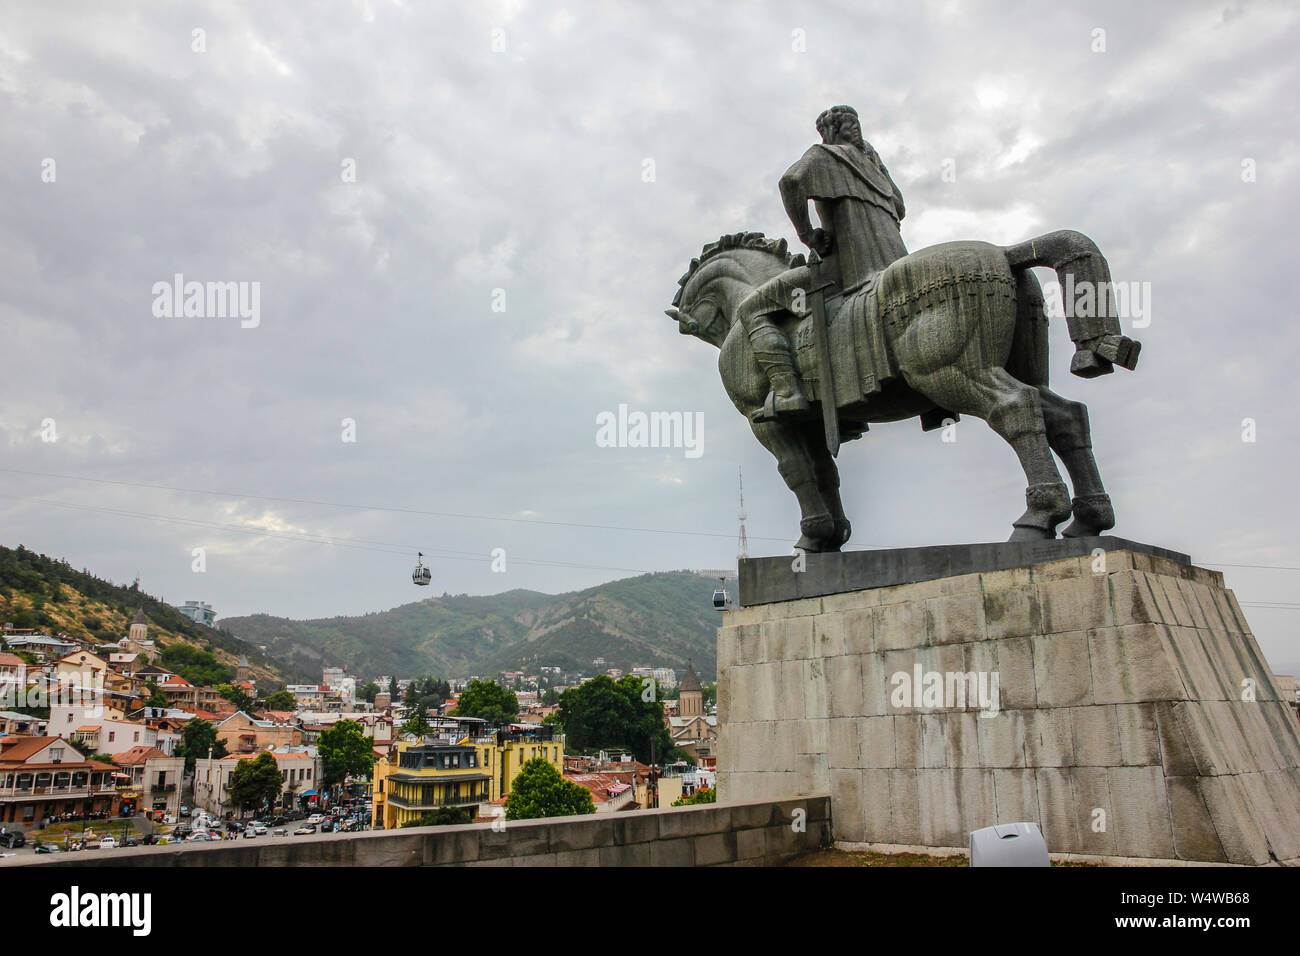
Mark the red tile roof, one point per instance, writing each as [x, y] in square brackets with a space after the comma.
[23, 747]
[137, 755]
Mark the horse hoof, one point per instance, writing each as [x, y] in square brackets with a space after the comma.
[1049, 505]
[820, 533]
[1093, 514]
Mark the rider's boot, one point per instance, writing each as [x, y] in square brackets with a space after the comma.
[772, 349]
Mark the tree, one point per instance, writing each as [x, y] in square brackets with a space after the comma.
[426, 693]
[368, 692]
[236, 696]
[198, 666]
[156, 697]
[551, 697]
[606, 714]
[417, 724]
[704, 795]
[442, 817]
[540, 791]
[489, 701]
[345, 751]
[255, 782]
[281, 700]
[197, 738]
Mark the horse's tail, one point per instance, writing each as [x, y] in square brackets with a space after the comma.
[1091, 317]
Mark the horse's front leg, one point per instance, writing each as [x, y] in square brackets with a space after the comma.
[827, 474]
[799, 470]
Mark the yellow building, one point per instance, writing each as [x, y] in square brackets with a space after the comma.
[421, 776]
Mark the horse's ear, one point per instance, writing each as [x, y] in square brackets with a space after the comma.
[799, 260]
[782, 247]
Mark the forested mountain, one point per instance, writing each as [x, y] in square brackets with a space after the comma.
[656, 620]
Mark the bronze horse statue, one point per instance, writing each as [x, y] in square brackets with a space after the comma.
[956, 328]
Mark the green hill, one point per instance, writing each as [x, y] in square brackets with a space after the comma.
[657, 620]
[43, 592]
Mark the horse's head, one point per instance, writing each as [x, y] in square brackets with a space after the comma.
[718, 280]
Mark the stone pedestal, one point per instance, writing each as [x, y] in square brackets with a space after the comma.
[1134, 713]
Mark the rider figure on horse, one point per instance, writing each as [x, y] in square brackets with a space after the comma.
[859, 207]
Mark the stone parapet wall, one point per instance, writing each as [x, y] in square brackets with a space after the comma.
[762, 833]
[1121, 726]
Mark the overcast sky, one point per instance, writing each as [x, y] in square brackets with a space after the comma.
[505, 146]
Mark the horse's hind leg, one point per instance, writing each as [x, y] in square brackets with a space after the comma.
[793, 461]
[1066, 421]
[1013, 410]
[1071, 438]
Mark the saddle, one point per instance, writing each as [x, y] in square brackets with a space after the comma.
[861, 361]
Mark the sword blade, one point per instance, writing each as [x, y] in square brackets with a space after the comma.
[826, 380]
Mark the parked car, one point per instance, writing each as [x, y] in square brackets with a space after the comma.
[200, 836]
[12, 840]
[279, 831]
[130, 839]
[305, 828]
[48, 848]
[295, 815]
[169, 819]
[250, 833]
[315, 818]
[108, 842]
[185, 811]
[258, 827]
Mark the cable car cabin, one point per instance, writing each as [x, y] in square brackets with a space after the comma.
[720, 599]
[421, 575]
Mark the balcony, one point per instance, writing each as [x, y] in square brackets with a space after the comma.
[60, 793]
[431, 803]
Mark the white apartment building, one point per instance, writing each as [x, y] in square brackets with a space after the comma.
[105, 735]
[300, 769]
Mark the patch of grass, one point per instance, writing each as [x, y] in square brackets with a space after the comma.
[55, 831]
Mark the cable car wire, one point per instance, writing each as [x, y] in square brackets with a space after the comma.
[476, 517]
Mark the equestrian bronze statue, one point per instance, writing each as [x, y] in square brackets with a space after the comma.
[815, 349]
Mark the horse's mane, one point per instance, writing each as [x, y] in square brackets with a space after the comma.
[737, 240]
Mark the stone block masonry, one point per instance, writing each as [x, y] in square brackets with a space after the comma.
[755, 833]
[1132, 715]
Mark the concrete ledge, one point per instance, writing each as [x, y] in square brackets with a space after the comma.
[768, 580]
[757, 833]
[950, 851]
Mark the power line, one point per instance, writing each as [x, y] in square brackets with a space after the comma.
[476, 517]
[361, 544]
[356, 507]
[388, 547]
